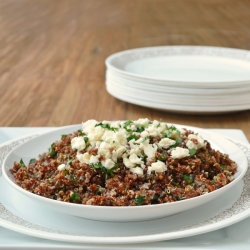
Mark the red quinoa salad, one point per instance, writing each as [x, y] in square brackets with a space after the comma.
[126, 163]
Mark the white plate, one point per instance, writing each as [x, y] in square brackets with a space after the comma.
[31, 219]
[184, 99]
[193, 65]
[40, 144]
[178, 90]
[177, 108]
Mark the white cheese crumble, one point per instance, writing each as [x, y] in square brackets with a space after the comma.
[179, 153]
[78, 143]
[62, 167]
[83, 158]
[108, 164]
[166, 143]
[137, 170]
[158, 167]
[149, 150]
[198, 138]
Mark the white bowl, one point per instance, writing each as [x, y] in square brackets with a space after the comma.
[40, 144]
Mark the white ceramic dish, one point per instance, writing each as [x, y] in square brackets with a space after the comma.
[21, 214]
[192, 65]
[38, 145]
[184, 99]
[180, 90]
[177, 108]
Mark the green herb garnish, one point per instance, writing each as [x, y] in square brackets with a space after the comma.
[106, 171]
[80, 132]
[110, 171]
[155, 199]
[139, 200]
[73, 178]
[69, 161]
[131, 137]
[192, 151]
[106, 125]
[51, 151]
[177, 142]
[139, 128]
[74, 197]
[22, 163]
[188, 178]
[32, 161]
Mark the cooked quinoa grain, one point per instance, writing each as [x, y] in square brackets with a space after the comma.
[127, 163]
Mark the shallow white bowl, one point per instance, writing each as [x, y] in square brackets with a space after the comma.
[40, 144]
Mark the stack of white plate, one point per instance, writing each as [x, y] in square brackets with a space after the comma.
[187, 79]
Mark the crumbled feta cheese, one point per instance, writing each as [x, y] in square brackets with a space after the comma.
[120, 151]
[94, 159]
[191, 145]
[104, 148]
[175, 134]
[128, 163]
[88, 126]
[83, 158]
[96, 134]
[61, 167]
[158, 167]
[145, 134]
[200, 142]
[179, 153]
[166, 143]
[108, 164]
[78, 143]
[143, 122]
[135, 159]
[149, 150]
[137, 170]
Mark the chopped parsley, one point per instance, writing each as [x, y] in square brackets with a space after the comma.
[131, 137]
[177, 142]
[32, 161]
[80, 132]
[69, 161]
[106, 126]
[107, 172]
[139, 128]
[86, 139]
[139, 200]
[51, 151]
[22, 163]
[126, 124]
[188, 178]
[192, 151]
[74, 197]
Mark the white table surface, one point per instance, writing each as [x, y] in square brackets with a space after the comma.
[230, 238]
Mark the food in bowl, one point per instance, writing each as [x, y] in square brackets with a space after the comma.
[126, 163]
